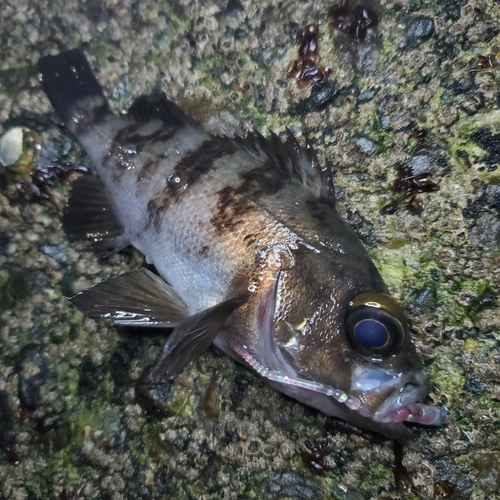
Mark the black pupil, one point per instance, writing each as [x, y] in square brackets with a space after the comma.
[371, 334]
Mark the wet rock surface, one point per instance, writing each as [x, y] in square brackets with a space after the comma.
[77, 421]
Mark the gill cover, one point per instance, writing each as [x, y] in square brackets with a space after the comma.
[376, 326]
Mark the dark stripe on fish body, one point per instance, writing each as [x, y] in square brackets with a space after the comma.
[188, 172]
[231, 211]
[91, 116]
[161, 135]
[128, 143]
[236, 202]
[147, 169]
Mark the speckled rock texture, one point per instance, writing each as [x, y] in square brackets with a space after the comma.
[418, 88]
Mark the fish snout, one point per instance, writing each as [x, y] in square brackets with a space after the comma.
[403, 405]
[390, 397]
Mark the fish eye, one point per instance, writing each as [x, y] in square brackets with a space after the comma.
[376, 326]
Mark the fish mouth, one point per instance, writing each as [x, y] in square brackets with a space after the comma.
[401, 405]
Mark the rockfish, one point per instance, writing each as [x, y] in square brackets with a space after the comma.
[250, 251]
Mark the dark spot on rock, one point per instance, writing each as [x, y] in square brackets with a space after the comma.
[466, 333]
[254, 446]
[454, 481]
[474, 385]
[13, 79]
[210, 476]
[401, 475]
[128, 350]
[33, 372]
[362, 226]
[54, 434]
[450, 8]
[305, 69]
[419, 29]
[321, 96]
[490, 34]
[233, 8]
[413, 177]
[444, 489]
[314, 456]
[21, 284]
[486, 232]
[474, 208]
[91, 377]
[96, 12]
[153, 397]
[164, 485]
[418, 133]
[241, 384]
[490, 143]
[478, 101]
[353, 20]
[464, 156]
[488, 299]
[4, 241]
[292, 484]
[7, 437]
[425, 300]
[493, 197]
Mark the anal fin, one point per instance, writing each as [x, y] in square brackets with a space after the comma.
[89, 215]
[138, 298]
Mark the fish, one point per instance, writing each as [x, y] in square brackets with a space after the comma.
[250, 252]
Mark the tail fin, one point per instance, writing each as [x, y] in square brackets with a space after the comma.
[72, 88]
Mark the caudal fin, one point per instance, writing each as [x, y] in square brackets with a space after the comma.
[72, 88]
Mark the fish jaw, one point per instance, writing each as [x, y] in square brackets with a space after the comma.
[400, 394]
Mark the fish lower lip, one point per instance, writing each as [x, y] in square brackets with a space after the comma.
[403, 407]
[417, 413]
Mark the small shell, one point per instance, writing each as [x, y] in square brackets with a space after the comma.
[11, 146]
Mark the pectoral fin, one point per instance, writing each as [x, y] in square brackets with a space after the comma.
[138, 298]
[192, 337]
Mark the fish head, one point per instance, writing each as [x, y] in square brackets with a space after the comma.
[342, 345]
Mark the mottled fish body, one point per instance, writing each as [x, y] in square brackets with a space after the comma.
[256, 258]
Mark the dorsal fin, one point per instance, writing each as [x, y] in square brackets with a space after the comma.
[293, 161]
[157, 107]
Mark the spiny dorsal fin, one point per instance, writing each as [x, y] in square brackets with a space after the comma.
[89, 215]
[157, 107]
[294, 161]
